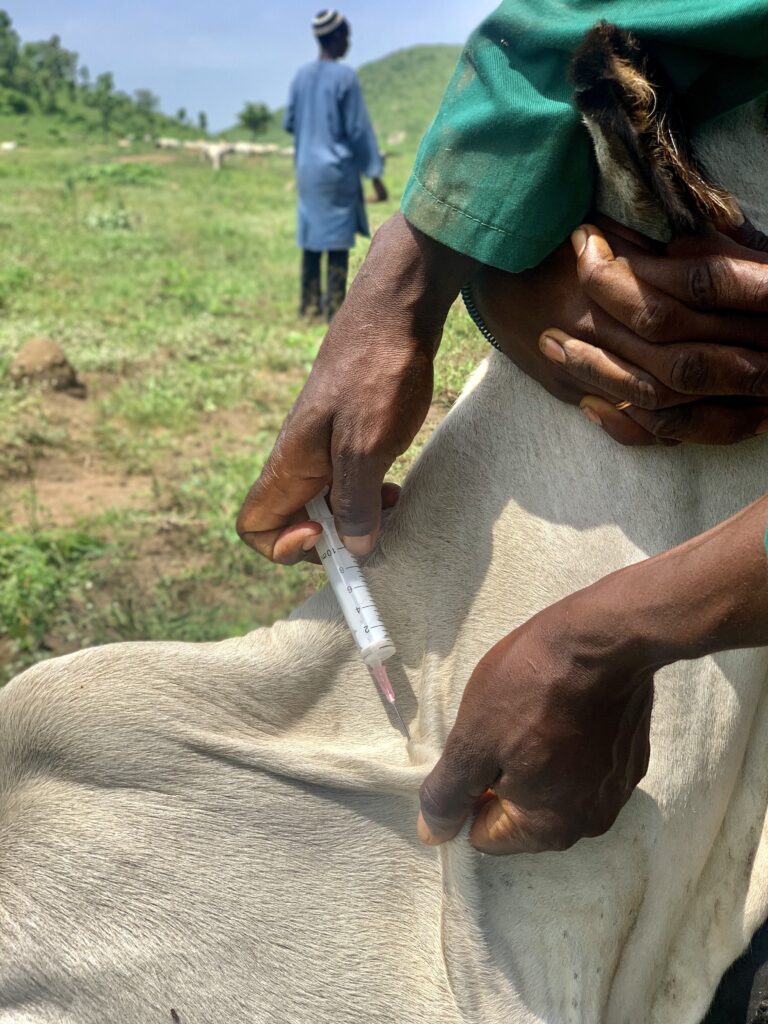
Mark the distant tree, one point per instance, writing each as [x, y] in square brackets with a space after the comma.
[45, 76]
[51, 68]
[181, 114]
[146, 101]
[146, 105]
[9, 50]
[104, 99]
[255, 118]
[202, 121]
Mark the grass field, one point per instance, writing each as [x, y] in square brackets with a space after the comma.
[173, 292]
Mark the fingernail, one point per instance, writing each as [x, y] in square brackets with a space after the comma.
[762, 428]
[310, 542]
[591, 415]
[552, 349]
[358, 545]
[579, 240]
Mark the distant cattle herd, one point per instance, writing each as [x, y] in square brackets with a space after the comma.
[216, 151]
[213, 151]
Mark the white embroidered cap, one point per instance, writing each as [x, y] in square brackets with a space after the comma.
[326, 22]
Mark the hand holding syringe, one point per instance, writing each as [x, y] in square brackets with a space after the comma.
[355, 600]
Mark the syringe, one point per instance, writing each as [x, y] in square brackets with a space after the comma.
[351, 590]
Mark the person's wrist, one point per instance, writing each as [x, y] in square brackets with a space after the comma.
[377, 318]
[414, 275]
[665, 609]
[625, 617]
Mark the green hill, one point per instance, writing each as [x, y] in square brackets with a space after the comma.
[402, 90]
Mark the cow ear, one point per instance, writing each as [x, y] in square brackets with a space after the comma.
[633, 113]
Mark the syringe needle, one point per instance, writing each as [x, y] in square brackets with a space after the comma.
[395, 708]
[381, 679]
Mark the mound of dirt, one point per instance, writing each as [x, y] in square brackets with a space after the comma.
[43, 362]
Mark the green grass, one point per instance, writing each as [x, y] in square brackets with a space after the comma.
[173, 292]
[38, 570]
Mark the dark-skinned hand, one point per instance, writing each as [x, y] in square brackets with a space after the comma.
[552, 733]
[556, 719]
[368, 393]
[663, 332]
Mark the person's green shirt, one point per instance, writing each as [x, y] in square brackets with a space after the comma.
[506, 170]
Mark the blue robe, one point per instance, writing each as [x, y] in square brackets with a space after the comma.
[335, 145]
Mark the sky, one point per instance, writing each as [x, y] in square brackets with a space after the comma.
[213, 55]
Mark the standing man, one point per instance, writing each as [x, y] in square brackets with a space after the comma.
[335, 146]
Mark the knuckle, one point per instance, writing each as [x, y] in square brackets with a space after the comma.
[367, 446]
[690, 372]
[348, 451]
[591, 272]
[583, 365]
[674, 422]
[755, 293]
[756, 377]
[586, 365]
[642, 393]
[703, 279]
[346, 508]
[650, 319]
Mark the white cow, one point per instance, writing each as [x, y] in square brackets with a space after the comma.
[225, 832]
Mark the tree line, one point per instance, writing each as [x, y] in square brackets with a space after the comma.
[46, 78]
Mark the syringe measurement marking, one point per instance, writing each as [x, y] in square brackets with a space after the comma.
[367, 627]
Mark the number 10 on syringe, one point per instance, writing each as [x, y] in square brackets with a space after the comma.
[351, 590]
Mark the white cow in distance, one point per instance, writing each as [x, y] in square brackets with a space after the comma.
[226, 832]
[216, 152]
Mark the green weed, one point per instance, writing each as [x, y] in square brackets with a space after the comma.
[13, 278]
[115, 219]
[116, 174]
[37, 572]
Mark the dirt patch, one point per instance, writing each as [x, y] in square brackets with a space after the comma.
[66, 484]
[50, 423]
[62, 490]
[60, 485]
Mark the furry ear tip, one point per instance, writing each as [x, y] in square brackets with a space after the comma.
[592, 58]
[604, 34]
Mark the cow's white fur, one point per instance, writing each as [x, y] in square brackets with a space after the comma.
[227, 830]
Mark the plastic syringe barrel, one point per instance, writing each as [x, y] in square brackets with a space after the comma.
[349, 586]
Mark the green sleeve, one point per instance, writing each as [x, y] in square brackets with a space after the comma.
[505, 171]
